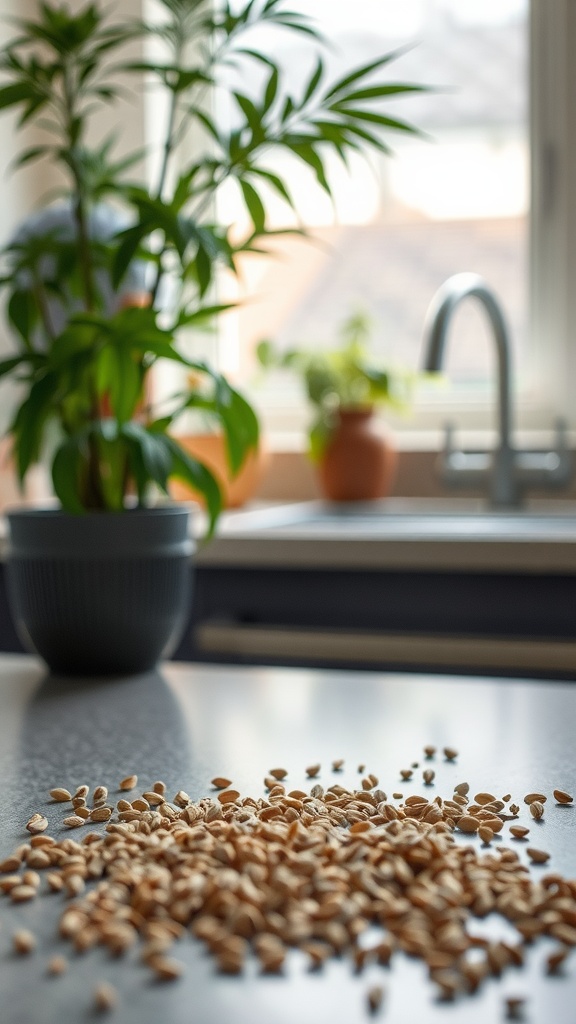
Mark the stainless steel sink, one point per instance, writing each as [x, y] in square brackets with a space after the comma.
[405, 518]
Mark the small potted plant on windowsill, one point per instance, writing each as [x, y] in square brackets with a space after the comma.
[87, 346]
[356, 458]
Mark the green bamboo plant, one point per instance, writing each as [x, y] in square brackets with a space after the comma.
[82, 363]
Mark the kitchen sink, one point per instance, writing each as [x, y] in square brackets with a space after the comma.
[405, 518]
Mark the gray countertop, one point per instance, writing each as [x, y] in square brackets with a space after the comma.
[429, 534]
[443, 535]
[187, 723]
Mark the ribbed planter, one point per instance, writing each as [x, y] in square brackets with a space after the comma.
[100, 594]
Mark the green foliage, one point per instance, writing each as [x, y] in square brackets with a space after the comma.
[345, 377]
[84, 384]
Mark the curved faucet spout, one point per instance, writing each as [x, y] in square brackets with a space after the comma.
[438, 319]
[505, 473]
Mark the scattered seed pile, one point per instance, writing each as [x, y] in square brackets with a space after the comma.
[313, 870]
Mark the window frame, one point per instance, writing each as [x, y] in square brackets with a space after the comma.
[553, 210]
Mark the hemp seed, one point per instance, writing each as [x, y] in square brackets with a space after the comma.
[23, 941]
[375, 997]
[221, 783]
[519, 831]
[60, 795]
[537, 856]
[255, 876]
[37, 823]
[57, 965]
[105, 997]
[130, 782]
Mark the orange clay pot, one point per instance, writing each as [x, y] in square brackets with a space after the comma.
[359, 463]
[210, 450]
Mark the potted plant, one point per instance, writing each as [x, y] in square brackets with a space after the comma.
[88, 344]
[355, 458]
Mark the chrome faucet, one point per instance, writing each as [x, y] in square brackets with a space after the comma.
[505, 473]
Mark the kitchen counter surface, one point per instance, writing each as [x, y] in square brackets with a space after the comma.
[187, 723]
[398, 534]
[429, 534]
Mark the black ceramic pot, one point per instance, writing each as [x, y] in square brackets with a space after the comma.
[101, 593]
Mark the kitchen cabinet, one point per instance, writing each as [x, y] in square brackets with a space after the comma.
[392, 584]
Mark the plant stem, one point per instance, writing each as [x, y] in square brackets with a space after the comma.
[78, 201]
[43, 306]
[93, 494]
[168, 142]
[168, 149]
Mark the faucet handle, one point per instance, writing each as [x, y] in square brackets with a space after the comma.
[561, 435]
[462, 468]
[446, 456]
[564, 467]
[449, 429]
[547, 469]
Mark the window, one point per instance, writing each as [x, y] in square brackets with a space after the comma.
[521, 52]
[489, 193]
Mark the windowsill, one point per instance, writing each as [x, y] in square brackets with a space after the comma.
[428, 440]
[291, 476]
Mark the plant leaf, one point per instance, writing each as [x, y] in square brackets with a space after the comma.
[66, 470]
[271, 90]
[313, 82]
[379, 91]
[155, 455]
[362, 72]
[22, 314]
[125, 383]
[198, 477]
[19, 92]
[30, 421]
[308, 154]
[9, 365]
[254, 204]
[126, 251]
[276, 182]
[203, 315]
[251, 113]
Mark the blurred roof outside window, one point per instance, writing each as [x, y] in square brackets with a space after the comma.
[457, 201]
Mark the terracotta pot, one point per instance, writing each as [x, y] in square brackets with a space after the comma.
[209, 449]
[360, 460]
